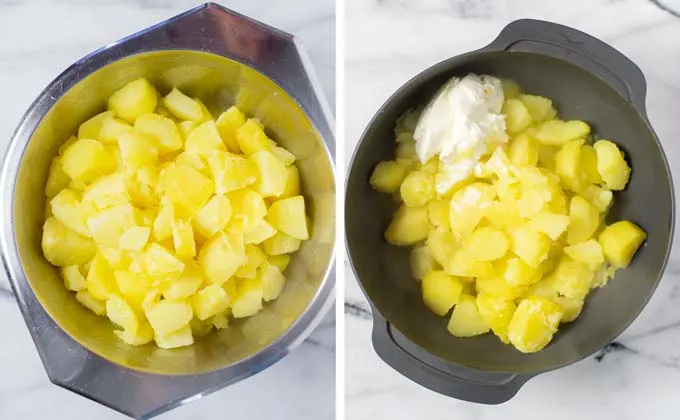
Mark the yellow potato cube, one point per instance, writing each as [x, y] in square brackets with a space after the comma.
[460, 264]
[204, 139]
[168, 316]
[213, 217]
[388, 176]
[498, 286]
[272, 281]
[107, 191]
[572, 279]
[568, 165]
[137, 150]
[496, 313]
[159, 263]
[466, 203]
[183, 239]
[279, 261]
[210, 301]
[259, 233]
[134, 99]
[502, 214]
[552, 224]
[557, 132]
[186, 188]
[620, 241]
[162, 225]
[231, 172]
[255, 257]
[292, 182]
[288, 216]
[179, 338]
[251, 137]
[584, 220]
[112, 129]
[422, 262]
[599, 197]
[185, 127]
[611, 165]
[85, 160]
[531, 246]
[91, 128]
[589, 252]
[417, 189]
[441, 245]
[182, 106]
[487, 244]
[438, 212]
[186, 284]
[205, 112]
[220, 257]
[106, 226]
[248, 298]
[409, 226]
[518, 273]
[440, 292]
[539, 107]
[281, 244]
[162, 130]
[283, 155]
[227, 124]
[248, 207]
[63, 246]
[57, 179]
[121, 313]
[510, 88]
[524, 150]
[135, 238]
[406, 149]
[73, 278]
[134, 288]
[116, 258]
[589, 165]
[100, 280]
[270, 174]
[87, 300]
[533, 324]
[68, 208]
[517, 117]
[220, 322]
[143, 335]
[466, 320]
[201, 328]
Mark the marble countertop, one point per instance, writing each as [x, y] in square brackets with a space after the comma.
[638, 376]
[39, 39]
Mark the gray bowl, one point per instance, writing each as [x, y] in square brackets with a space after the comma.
[587, 80]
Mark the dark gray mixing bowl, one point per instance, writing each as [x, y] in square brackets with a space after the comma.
[587, 80]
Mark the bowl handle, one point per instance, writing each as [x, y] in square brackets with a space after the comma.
[438, 375]
[579, 48]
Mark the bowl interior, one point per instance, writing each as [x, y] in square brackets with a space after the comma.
[383, 269]
[219, 82]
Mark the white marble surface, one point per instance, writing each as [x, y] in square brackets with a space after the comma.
[39, 39]
[389, 41]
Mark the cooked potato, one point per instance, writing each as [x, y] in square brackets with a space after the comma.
[85, 160]
[557, 132]
[409, 226]
[539, 108]
[388, 176]
[620, 241]
[533, 324]
[517, 116]
[583, 220]
[271, 174]
[611, 165]
[496, 313]
[440, 291]
[417, 189]
[251, 137]
[134, 99]
[422, 262]
[182, 106]
[466, 321]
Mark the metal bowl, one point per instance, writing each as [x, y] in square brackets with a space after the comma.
[223, 58]
[587, 80]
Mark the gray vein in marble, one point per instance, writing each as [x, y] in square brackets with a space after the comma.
[357, 309]
[666, 7]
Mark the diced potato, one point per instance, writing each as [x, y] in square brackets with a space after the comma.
[568, 165]
[466, 320]
[57, 179]
[441, 245]
[100, 279]
[466, 203]
[134, 99]
[440, 291]
[168, 316]
[518, 273]
[611, 165]
[496, 313]
[179, 338]
[388, 176]
[272, 281]
[220, 322]
[87, 300]
[85, 160]
[186, 284]
[531, 246]
[134, 288]
[63, 246]
[255, 257]
[533, 324]
[143, 335]
[182, 106]
[271, 174]
[135, 238]
[248, 207]
[121, 313]
[422, 262]
[524, 150]
[162, 130]
[183, 239]
[91, 128]
[557, 132]
[227, 124]
[539, 107]
[460, 264]
[438, 212]
[251, 137]
[248, 298]
[158, 262]
[589, 252]
[201, 328]
[107, 191]
[137, 150]
[620, 241]
[502, 214]
[599, 197]
[281, 244]
[498, 286]
[487, 244]
[510, 88]
[162, 225]
[259, 233]
[288, 216]
[583, 220]
[205, 112]
[186, 188]
[73, 278]
[406, 149]
[112, 129]
[185, 127]
[210, 301]
[214, 216]
[231, 172]
[409, 226]
[279, 261]
[283, 155]
[68, 208]
[552, 224]
[572, 279]
[417, 189]
[204, 139]
[532, 200]
[589, 164]
[292, 182]
[220, 257]
[517, 117]
[106, 226]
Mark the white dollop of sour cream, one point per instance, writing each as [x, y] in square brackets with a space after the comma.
[460, 125]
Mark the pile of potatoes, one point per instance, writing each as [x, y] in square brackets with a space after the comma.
[169, 221]
[516, 247]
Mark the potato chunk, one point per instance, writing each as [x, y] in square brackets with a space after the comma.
[182, 106]
[227, 125]
[231, 172]
[417, 189]
[589, 252]
[187, 189]
[288, 216]
[440, 291]
[221, 257]
[557, 133]
[533, 324]
[409, 225]
[466, 320]
[620, 241]
[248, 298]
[162, 130]
[210, 301]
[611, 165]
[281, 243]
[134, 99]
[487, 244]
[271, 174]
[251, 137]
[421, 262]
[106, 226]
[531, 246]
[204, 139]
[63, 246]
[539, 107]
[214, 216]
[583, 220]
[496, 312]
[272, 280]
[85, 160]
[388, 176]
[517, 116]
[168, 316]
